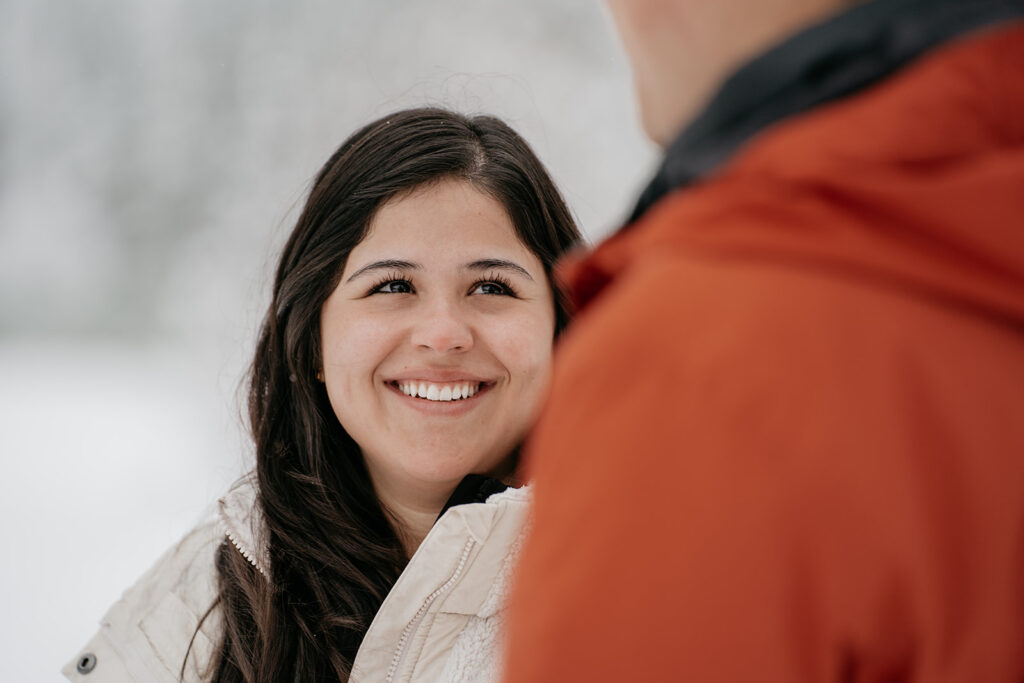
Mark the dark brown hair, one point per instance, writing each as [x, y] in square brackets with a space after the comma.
[333, 553]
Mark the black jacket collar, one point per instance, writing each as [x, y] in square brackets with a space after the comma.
[474, 488]
[833, 59]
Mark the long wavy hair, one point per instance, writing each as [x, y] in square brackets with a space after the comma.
[334, 555]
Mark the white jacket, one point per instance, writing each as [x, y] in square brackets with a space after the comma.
[440, 622]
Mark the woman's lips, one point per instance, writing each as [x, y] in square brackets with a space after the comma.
[440, 395]
[439, 391]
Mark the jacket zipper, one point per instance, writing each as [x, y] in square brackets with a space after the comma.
[412, 626]
[243, 551]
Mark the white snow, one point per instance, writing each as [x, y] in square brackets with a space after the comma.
[109, 455]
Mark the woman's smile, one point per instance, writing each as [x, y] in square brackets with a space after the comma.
[447, 399]
[439, 392]
[442, 392]
[437, 385]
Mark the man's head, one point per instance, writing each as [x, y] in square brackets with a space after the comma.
[682, 50]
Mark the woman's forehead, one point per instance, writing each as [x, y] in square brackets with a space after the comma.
[450, 218]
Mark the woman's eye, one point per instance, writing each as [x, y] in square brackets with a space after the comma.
[492, 288]
[393, 287]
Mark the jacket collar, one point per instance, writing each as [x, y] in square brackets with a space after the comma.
[474, 488]
[243, 524]
[245, 528]
[838, 57]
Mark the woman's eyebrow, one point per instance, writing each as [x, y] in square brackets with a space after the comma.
[498, 264]
[387, 264]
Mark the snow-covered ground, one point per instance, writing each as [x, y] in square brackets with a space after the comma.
[110, 454]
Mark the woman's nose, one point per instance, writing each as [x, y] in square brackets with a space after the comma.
[442, 328]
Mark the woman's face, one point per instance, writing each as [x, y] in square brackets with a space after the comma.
[437, 341]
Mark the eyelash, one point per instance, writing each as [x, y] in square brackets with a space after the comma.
[390, 278]
[501, 281]
[491, 279]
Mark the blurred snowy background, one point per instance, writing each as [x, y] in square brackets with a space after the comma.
[152, 158]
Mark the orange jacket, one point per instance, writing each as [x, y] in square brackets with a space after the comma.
[785, 440]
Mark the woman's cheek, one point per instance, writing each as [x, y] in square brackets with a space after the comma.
[530, 350]
[353, 351]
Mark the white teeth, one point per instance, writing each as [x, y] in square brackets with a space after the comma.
[439, 392]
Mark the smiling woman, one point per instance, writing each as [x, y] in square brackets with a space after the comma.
[436, 351]
[403, 357]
